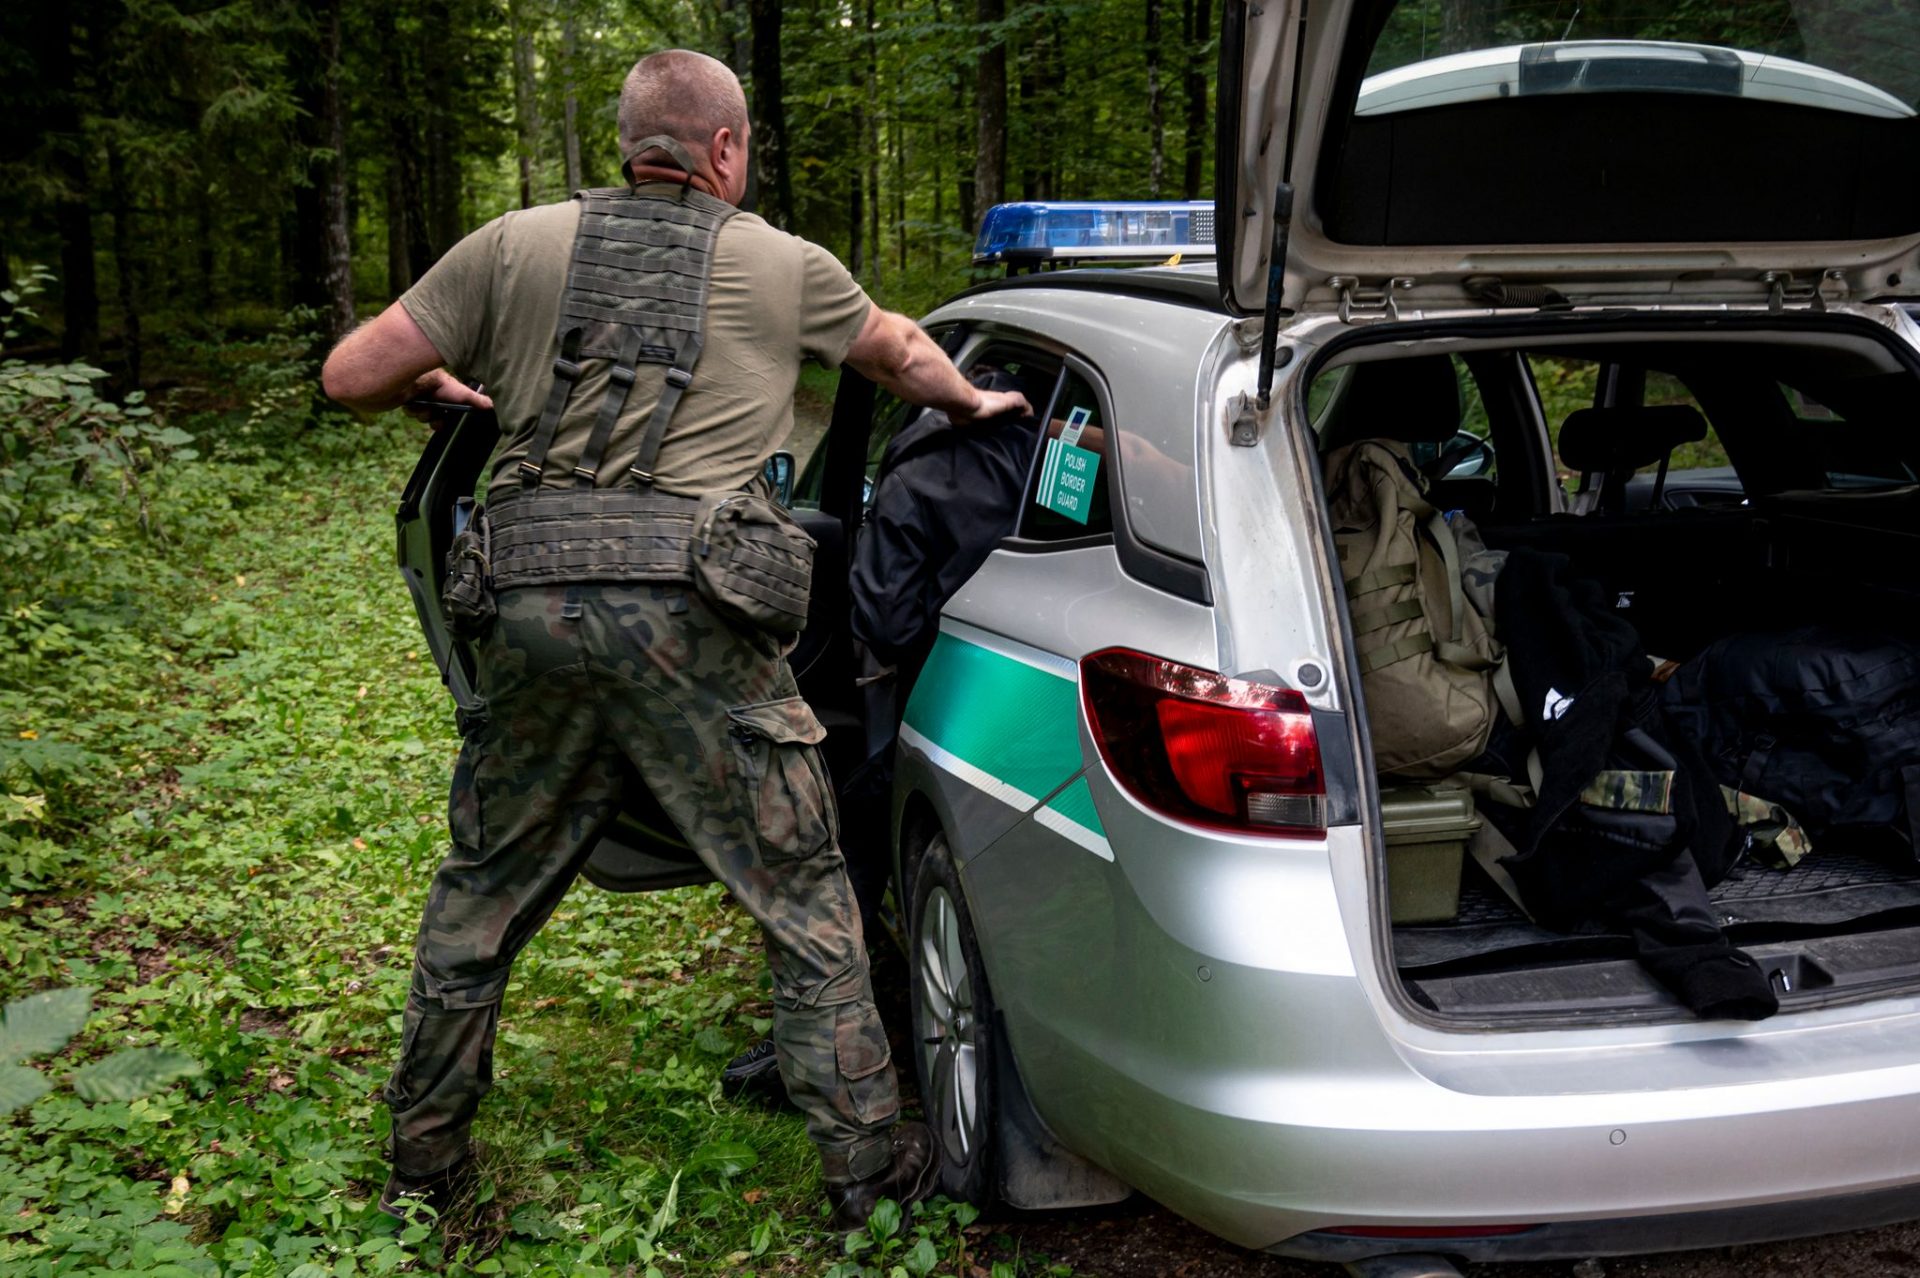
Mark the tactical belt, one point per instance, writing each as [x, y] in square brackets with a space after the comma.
[557, 536]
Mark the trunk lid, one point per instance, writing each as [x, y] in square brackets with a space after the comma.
[1390, 153]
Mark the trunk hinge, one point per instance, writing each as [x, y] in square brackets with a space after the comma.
[1783, 290]
[1356, 297]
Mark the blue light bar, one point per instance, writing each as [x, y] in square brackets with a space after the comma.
[1086, 230]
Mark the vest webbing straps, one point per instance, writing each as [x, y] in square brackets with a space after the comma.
[636, 293]
[619, 383]
[566, 371]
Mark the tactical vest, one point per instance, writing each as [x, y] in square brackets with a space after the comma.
[636, 293]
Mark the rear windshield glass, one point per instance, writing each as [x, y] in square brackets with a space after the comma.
[1857, 56]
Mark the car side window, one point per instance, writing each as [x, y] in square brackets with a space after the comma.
[890, 416]
[1863, 446]
[1067, 490]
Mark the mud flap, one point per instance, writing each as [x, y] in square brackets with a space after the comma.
[1037, 1172]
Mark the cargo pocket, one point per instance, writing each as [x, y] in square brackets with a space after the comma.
[861, 1054]
[785, 780]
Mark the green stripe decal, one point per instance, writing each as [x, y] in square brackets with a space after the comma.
[1076, 804]
[1009, 719]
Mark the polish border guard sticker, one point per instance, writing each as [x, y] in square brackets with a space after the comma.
[1068, 471]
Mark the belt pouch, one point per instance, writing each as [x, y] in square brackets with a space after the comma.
[752, 562]
[467, 596]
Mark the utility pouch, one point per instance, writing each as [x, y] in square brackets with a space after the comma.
[467, 596]
[752, 562]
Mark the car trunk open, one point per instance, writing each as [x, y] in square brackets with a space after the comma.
[1704, 154]
[1842, 924]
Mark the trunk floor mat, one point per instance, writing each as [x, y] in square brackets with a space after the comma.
[1828, 888]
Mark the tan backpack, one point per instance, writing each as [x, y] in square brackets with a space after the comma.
[1426, 659]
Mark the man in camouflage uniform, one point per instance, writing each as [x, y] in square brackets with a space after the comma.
[592, 687]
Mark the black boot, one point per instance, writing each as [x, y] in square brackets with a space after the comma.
[440, 1190]
[754, 1072]
[914, 1176]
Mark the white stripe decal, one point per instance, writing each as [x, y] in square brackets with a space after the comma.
[1019, 800]
[1067, 828]
[1012, 649]
[979, 780]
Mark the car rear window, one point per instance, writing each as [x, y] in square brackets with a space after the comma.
[1849, 55]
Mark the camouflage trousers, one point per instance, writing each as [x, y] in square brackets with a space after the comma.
[590, 690]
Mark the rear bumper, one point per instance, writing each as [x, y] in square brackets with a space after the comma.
[1574, 1240]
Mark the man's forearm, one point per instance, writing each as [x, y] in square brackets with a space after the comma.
[896, 353]
[386, 361]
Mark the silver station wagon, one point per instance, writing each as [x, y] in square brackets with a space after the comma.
[1163, 931]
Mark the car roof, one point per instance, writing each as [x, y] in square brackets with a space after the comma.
[1195, 284]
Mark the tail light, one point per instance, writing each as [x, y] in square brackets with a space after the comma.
[1225, 753]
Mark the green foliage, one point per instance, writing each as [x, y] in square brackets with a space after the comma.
[931, 1240]
[225, 755]
[42, 1024]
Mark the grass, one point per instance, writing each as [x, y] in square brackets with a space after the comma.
[225, 754]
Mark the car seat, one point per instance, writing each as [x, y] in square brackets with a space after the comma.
[1412, 401]
[1613, 443]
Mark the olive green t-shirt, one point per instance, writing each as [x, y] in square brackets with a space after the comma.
[492, 304]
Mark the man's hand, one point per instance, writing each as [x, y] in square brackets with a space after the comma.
[440, 387]
[993, 404]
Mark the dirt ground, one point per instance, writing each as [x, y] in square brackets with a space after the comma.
[1149, 1242]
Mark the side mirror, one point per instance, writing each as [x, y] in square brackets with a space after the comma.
[780, 471]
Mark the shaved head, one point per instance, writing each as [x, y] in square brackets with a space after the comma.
[686, 95]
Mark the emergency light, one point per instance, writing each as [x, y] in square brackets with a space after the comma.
[1057, 233]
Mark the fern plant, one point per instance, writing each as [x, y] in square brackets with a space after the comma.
[42, 1024]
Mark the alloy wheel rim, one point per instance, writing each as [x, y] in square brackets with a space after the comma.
[949, 1030]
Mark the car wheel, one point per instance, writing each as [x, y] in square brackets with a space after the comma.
[953, 1027]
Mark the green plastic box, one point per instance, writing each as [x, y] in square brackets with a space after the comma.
[1426, 829]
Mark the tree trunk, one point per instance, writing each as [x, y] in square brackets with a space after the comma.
[569, 53]
[990, 122]
[1465, 24]
[770, 114]
[897, 139]
[441, 54]
[1198, 16]
[337, 246]
[125, 261]
[526, 109]
[406, 207]
[856, 220]
[207, 263]
[73, 214]
[1156, 115]
[877, 250]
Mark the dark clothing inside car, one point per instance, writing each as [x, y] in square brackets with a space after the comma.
[1593, 849]
[943, 498]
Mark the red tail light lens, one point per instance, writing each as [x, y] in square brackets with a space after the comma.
[1201, 747]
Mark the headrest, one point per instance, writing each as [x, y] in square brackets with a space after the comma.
[1625, 439]
[1416, 401]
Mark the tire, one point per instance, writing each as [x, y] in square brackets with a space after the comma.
[954, 1032]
